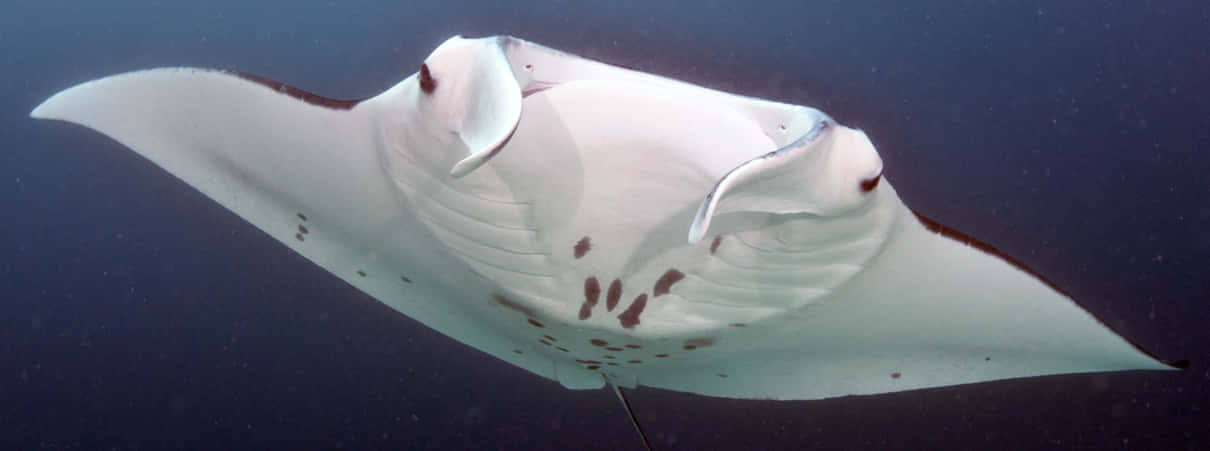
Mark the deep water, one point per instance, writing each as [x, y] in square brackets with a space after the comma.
[137, 314]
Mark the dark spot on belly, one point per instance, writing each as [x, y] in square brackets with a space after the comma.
[718, 239]
[987, 359]
[547, 343]
[592, 367]
[630, 317]
[614, 295]
[614, 348]
[303, 229]
[609, 357]
[722, 375]
[581, 361]
[689, 347]
[895, 375]
[405, 279]
[534, 322]
[548, 337]
[869, 185]
[518, 351]
[611, 363]
[660, 356]
[592, 293]
[302, 216]
[299, 237]
[699, 342]
[633, 346]
[361, 273]
[738, 325]
[634, 361]
[582, 247]
[509, 304]
[562, 348]
[598, 342]
[592, 362]
[662, 286]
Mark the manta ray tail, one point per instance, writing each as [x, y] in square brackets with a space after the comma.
[633, 420]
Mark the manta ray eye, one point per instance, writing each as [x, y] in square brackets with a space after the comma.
[869, 185]
[427, 82]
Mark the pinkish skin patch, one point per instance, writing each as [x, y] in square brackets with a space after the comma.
[614, 295]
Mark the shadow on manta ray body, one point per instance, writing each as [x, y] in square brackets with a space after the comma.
[535, 205]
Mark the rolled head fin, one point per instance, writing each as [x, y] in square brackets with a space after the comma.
[471, 89]
[830, 169]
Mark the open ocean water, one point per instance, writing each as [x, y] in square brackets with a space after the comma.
[137, 314]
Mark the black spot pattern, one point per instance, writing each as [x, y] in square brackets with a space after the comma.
[614, 295]
[582, 247]
[664, 285]
[592, 293]
[630, 317]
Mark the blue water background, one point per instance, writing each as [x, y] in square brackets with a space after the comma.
[137, 314]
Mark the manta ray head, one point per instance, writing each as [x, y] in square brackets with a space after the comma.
[466, 87]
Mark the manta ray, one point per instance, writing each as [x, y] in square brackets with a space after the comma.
[597, 225]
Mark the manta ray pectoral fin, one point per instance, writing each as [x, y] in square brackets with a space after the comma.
[472, 86]
[828, 170]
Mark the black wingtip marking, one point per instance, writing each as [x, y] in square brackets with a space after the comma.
[968, 240]
[313, 99]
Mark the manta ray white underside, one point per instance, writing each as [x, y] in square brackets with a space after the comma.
[535, 205]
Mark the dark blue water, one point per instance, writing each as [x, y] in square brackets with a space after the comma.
[137, 314]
